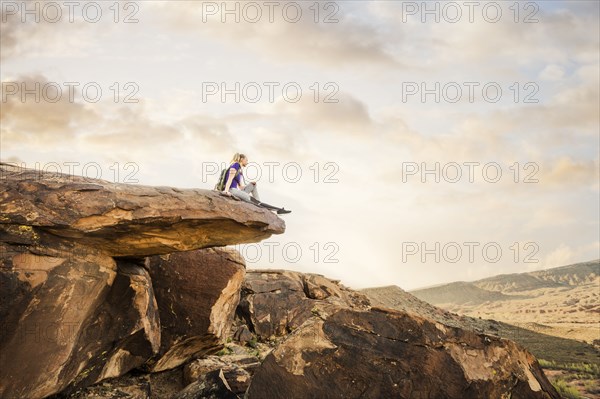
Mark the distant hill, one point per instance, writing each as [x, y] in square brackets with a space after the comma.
[461, 293]
[571, 275]
[565, 300]
[504, 286]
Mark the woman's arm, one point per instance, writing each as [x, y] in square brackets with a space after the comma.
[232, 173]
[241, 185]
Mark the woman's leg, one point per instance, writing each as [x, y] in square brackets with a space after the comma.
[271, 207]
[251, 189]
[244, 196]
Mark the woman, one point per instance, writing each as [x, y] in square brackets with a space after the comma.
[235, 187]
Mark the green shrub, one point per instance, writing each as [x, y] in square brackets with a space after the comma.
[225, 351]
[565, 390]
[252, 343]
[584, 370]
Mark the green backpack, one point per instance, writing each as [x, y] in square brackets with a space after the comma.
[220, 186]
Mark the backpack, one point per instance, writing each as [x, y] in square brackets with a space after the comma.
[220, 186]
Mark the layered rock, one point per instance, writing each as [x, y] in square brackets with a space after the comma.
[124, 332]
[212, 385]
[383, 353]
[197, 294]
[276, 302]
[49, 295]
[346, 348]
[129, 220]
[78, 298]
[335, 345]
[236, 371]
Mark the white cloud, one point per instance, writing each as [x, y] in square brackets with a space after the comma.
[560, 256]
[327, 44]
[552, 72]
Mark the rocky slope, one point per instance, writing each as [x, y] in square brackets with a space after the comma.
[345, 345]
[305, 336]
[111, 290]
[534, 337]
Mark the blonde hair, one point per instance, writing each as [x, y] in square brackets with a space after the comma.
[237, 157]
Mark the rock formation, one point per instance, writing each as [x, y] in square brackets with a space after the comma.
[276, 302]
[335, 344]
[190, 303]
[388, 354]
[129, 220]
[81, 303]
[113, 290]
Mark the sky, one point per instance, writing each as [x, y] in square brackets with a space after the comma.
[416, 143]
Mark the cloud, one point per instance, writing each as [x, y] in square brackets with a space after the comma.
[560, 256]
[562, 34]
[129, 129]
[339, 44]
[277, 145]
[43, 120]
[45, 31]
[348, 117]
[566, 121]
[209, 132]
[552, 72]
[103, 126]
[567, 172]
[124, 130]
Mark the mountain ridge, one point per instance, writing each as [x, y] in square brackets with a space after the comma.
[565, 300]
[504, 275]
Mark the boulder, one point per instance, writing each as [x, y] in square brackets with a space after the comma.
[126, 219]
[197, 293]
[124, 333]
[275, 302]
[98, 278]
[212, 385]
[243, 334]
[49, 296]
[195, 369]
[236, 370]
[383, 353]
